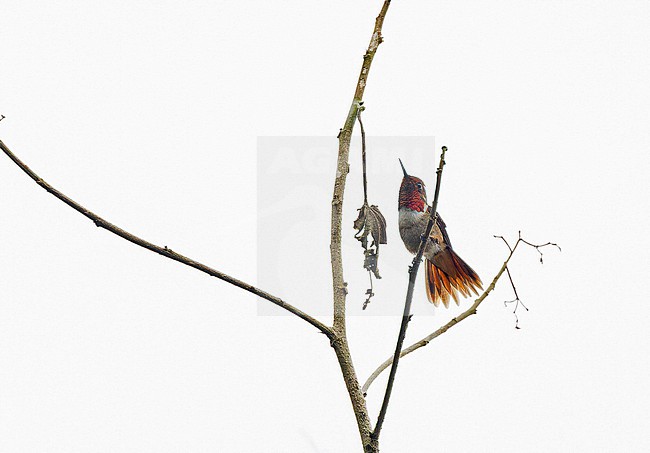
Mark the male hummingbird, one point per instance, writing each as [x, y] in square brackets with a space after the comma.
[446, 273]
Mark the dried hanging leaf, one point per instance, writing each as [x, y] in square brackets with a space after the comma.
[377, 224]
[371, 222]
[360, 226]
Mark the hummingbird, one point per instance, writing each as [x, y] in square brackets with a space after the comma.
[446, 274]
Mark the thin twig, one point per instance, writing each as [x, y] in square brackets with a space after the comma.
[506, 242]
[538, 247]
[514, 288]
[470, 311]
[413, 272]
[363, 158]
[165, 251]
[516, 300]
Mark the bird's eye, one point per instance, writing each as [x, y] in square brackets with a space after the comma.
[419, 185]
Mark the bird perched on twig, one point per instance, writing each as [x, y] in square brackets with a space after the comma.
[446, 274]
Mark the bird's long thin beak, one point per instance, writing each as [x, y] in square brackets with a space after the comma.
[403, 169]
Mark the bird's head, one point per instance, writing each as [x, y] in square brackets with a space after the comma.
[412, 194]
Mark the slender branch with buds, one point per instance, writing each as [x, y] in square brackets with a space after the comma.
[467, 313]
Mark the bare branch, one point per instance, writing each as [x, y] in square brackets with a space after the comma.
[339, 286]
[504, 240]
[470, 311]
[538, 247]
[406, 317]
[165, 251]
[514, 288]
[516, 300]
[342, 169]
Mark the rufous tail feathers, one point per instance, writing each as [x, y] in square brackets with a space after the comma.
[448, 275]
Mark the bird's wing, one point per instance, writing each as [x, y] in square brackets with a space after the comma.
[443, 230]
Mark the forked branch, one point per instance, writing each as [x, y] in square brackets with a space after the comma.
[342, 169]
[165, 251]
[339, 286]
[467, 313]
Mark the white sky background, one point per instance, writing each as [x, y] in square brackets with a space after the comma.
[148, 114]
